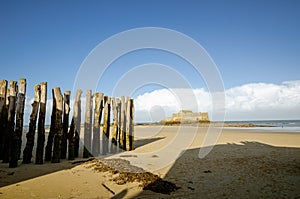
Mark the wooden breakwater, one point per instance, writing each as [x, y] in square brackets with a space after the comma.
[63, 139]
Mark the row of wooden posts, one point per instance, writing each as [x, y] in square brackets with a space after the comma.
[63, 140]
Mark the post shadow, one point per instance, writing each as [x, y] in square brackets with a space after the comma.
[249, 169]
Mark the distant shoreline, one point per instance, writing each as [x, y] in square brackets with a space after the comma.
[238, 124]
[204, 124]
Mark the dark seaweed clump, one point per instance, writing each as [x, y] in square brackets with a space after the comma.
[127, 173]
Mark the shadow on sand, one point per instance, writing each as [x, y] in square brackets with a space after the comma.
[247, 170]
[28, 171]
[142, 142]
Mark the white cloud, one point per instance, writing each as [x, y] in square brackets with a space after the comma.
[158, 104]
[246, 102]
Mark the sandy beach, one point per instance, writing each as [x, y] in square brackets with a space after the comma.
[244, 163]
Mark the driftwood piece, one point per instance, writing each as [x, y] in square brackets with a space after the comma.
[13, 155]
[41, 124]
[106, 187]
[88, 125]
[64, 140]
[3, 114]
[97, 121]
[73, 134]
[106, 125]
[27, 153]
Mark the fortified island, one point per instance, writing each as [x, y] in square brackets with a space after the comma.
[187, 116]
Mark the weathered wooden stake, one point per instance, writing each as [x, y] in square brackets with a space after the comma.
[88, 125]
[58, 125]
[49, 146]
[131, 131]
[115, 121]
[41, 124]
[77, 130]
[97, 121]
[3, 114]
[128, 123]
[119, 117]
[71, 138]
[123, 124]
[3, 88]
[64, 140]
[6, 135]
[115, 127]
[20, 115]
[27, 153]
[13, 154]
[74, 132]
[106, 125]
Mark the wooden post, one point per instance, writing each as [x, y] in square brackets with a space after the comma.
[13, 155]
[88, 125]
[6, 136]
[58, 125]
[3, 88]
[106, 125]
[73, 134]
[97, 122]
[123, 123]
[115, 129]
[20, 116]
[71, 138]
[3, 114]
[66, 113]
[128, 123]
[77, 127]
[41, 124]
[27, 153]
[115, 122]
[49, 146]
[131, 131]
[119, 117]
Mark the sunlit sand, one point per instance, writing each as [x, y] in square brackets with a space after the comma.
[243, 163]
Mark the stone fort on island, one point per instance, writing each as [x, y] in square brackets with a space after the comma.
[188, 116]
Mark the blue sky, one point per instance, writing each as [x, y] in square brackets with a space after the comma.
[250, 41]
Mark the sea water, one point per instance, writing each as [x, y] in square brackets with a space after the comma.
[272, 125]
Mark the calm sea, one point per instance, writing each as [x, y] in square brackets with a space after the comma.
[274, 123]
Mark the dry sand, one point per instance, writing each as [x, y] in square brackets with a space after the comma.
[245, 163]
